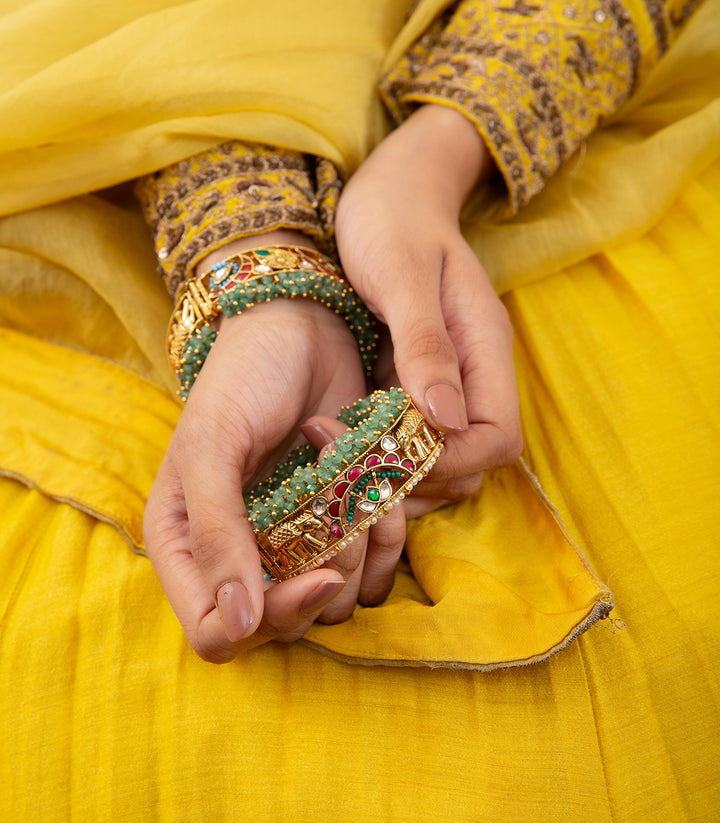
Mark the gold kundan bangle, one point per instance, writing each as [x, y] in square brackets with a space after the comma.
[319, 509]
[260, 275]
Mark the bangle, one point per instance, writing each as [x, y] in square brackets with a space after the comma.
[306, 512]
[260, 275]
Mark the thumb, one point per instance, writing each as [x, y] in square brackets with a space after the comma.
[221, 540]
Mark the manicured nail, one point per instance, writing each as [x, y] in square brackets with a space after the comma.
[320, 596]
[446, 407]
[316, 435]
[233, 603]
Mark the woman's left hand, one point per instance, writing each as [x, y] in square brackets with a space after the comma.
[401, 248]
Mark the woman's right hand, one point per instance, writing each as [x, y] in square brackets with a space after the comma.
[270, 369]
[451, 342]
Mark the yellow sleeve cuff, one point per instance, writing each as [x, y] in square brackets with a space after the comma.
[231, 191]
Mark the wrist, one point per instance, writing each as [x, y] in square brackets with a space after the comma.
[447, 150]
[306, 319]
[240, 282]
[279, 237]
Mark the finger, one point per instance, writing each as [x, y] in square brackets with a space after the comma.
[350, 564]
[417, 505]
[451, 490]
[384, 374]
[313, 604]
[291, 607]
[482, 335]
[386, 540]
[167, 543]
[221, 540]
[425, 356]
[320, 431]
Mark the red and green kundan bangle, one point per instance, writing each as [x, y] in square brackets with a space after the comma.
[308, 511]
[257, 276]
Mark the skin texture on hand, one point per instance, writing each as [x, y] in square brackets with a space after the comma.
[400, 244]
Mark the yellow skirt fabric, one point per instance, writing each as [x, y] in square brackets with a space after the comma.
[106, 712]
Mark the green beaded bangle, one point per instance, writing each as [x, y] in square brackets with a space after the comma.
[307, 512]
[324, 288]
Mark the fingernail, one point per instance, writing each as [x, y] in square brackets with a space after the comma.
[446, 407]
[320, 596]
[316, 435]
[233, 603]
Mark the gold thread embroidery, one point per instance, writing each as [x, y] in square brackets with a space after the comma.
[235, 190]
[535, 76]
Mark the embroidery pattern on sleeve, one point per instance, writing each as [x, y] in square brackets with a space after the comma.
[231, 191]
[535, 76]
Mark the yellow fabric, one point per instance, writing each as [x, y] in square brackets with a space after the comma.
[109, 715]
[94, 290]
[94, 94]
[86, 431]
[84, 107]
[235, 190]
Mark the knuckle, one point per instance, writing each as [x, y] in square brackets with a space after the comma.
[206, 540]
[376, 592]
[514, 447]
[344, 563]
[507, 449]
[273, 628]
[151, 530]
[501, 316]
[294, 634]
[430, 342]
[336, 613]
[347, 561]
[388, 537]
[160, 530]
[460, 488]
[497, 317]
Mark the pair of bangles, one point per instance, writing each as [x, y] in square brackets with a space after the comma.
[308, 511]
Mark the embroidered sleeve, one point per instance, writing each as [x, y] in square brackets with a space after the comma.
[235, 190]
[535, 76]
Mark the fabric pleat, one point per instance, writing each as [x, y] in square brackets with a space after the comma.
[109, 711]
[611, 281]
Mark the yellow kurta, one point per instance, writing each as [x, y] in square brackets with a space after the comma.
[611, 279]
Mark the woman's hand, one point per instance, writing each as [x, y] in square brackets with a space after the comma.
[270, 369]
[401, 248]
